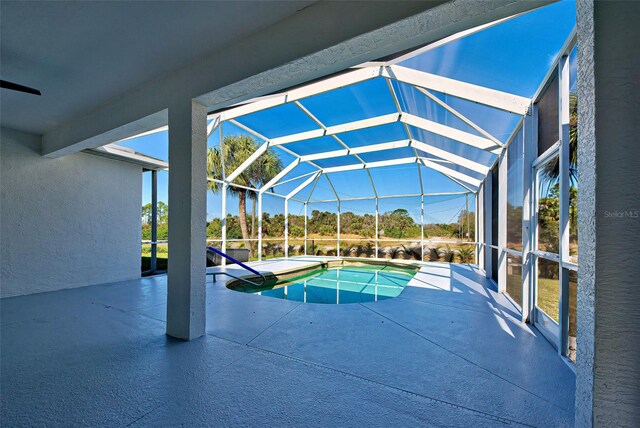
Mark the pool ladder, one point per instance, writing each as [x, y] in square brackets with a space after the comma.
[239, 263]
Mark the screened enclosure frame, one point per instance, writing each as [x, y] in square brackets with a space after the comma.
[556, 332]
[424, 155]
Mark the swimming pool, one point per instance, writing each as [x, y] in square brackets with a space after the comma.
[340, 285]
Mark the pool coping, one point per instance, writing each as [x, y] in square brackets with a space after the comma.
[237, 284]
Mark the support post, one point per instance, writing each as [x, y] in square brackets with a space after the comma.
[154, 220]
[530, 145]
[563, 125]
[225, 187]
[186, 291]
[305, 227]
[259, 226]
[479, 238]
[467, 214]
[286, 228]
[422, 228]
[488, 229]
[502, 222]
[377, 253]
[338, 246]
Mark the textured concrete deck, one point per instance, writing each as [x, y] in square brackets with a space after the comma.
[448, 352]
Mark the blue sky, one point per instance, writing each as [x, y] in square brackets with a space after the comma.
[513, 57]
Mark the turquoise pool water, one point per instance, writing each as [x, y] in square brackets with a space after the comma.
[343, 285]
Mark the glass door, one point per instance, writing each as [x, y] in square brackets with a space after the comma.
[547, 246]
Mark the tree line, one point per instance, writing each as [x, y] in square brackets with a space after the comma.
[397, 224]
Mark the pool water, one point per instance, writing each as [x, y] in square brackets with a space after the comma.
[343, 285]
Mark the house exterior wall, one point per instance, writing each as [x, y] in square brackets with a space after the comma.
[608, 361]
[66, 222]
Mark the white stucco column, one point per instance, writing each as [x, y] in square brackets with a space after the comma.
[186, 292]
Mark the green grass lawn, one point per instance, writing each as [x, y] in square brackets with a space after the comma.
[548, 296]
[162, 253]
[158, 255]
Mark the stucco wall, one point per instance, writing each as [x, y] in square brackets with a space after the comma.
[608, 358]
[617, 293]
[66, 222]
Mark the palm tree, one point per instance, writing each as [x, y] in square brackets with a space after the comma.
[550, 173]
[237, 148]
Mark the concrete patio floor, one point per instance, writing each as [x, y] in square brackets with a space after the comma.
[449, 351]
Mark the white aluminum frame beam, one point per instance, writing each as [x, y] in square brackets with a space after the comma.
[302, 185]
[280, 183]
[315, 183]
[240, 186]
[279, 176]
[459, 115]
[466, 186]
[337, 129]
[396, 102]
[405, 118]
[249, 130]
[410, 195]
[247, 163]
[215, 122]
[211, 126]
[512, 136]
[357, 150]
[286, 228]
[566, 48]
[259, 226]
[335, 137]
[452, 133]
[565, 164]
[474, 182]
[331, 185]
[329, 84]
[468, 91]
[502, 222]
[458, 160]
[378, 164]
